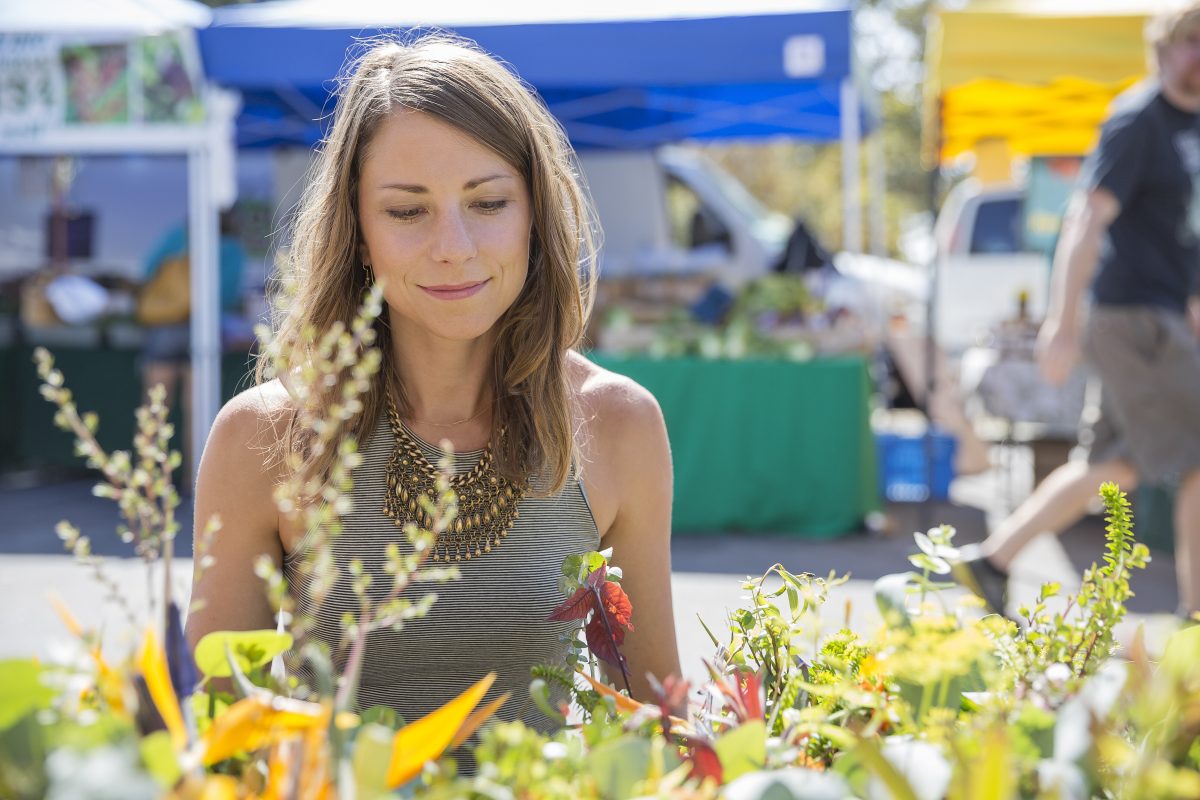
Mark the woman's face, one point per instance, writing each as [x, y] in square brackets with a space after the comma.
[445, 223]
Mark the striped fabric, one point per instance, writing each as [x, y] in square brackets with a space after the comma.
[493, 618]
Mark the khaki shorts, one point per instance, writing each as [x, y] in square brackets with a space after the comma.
[1148, 362]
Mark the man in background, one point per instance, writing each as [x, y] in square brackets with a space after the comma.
[1131, 234]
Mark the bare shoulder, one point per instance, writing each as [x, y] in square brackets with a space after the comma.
[623, 441]
[256, 416]
[622, 422]
[246, 433]
[609, 397]
[235, 487]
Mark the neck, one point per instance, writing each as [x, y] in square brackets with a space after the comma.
[1179, 97]
[445, 382]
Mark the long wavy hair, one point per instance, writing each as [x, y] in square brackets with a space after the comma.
[453, 80]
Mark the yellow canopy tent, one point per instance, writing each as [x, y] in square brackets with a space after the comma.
[1036, 74]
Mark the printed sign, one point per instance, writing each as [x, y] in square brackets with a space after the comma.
[31, 97]
[48, 83]
[803, 56]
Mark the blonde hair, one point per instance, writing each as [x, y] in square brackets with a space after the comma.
[1166, 27]
[456, 82]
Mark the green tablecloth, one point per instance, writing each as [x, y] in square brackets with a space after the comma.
[757, 445]
[103, 379]
[764, 445]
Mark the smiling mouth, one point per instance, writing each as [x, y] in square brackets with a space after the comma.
[455, 291]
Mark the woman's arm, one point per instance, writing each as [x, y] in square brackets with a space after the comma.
[235, 484]
[638, 457]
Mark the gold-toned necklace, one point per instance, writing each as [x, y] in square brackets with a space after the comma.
[487, 501]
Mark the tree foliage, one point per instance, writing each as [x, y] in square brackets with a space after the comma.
[805, 179]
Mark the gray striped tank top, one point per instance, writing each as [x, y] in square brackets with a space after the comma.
[493, 618]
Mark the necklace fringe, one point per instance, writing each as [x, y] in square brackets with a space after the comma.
[487, 501]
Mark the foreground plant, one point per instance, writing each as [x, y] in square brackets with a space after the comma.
[177, 734]
[937, 703]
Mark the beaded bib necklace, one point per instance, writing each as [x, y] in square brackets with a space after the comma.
[487, 501]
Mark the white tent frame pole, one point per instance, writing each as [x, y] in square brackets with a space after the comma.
[877, 181]
[852, 222]
[205, 320]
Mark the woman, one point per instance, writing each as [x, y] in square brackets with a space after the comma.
[445, 180]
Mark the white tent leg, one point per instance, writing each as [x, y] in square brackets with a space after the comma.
[852, 224]
[205, 322]
[877, 181]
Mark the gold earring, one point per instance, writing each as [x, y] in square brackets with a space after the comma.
[367, 271]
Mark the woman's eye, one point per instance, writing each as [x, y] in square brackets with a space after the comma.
[404, 213]
[491, 206]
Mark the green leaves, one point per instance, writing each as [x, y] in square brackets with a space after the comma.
[618, 765]
[601, 601]
[577, 567]
[743, 749]
[21, 691]
[252, 649]
[372, 750]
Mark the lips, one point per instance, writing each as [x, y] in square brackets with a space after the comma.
[455, 291]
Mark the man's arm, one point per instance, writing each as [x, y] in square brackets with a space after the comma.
[1084, 227]
[1194, 313]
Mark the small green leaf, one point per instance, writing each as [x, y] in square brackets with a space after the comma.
[743, 749]
[708, 631]
[21, 690]
[1182, 652]
[382, 715]
[617, 765]
[372, 754]
[572, 565]
[158, 756]
[251, 648]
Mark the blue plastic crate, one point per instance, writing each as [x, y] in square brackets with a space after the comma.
[903, 475]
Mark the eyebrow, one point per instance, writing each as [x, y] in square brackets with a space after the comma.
[417, 188]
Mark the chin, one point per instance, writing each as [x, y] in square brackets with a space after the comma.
[460, 330]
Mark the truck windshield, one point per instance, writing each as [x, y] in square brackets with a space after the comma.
[998, 227]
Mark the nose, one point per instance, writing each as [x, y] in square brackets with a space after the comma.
[453, 243]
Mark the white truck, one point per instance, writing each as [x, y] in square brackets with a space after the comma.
[671, 210]
[983, 268]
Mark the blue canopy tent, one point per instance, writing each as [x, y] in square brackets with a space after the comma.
[627, 75]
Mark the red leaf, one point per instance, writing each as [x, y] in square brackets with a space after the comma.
[600, 644]
[750, 688]
[616, 605]
[705, 763]
[607, 603]
[671, 694]
[597, 577]
[732, 695]
[576, 606]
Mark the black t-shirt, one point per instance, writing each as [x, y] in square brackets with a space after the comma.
[1149, 158]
